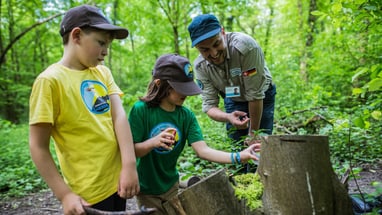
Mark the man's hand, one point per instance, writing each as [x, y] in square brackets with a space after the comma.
[239, 119]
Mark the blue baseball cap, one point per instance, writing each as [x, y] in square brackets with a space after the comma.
[203, 27]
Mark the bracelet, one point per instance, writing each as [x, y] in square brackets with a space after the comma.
[232, 159]
[238, 157]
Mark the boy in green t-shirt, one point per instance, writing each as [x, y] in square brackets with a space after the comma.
[161, 126]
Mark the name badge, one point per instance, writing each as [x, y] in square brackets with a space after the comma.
[233, 91]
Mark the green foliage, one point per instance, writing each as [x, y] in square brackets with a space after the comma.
[18, 175]
[250, 189]
[338, 93]
[372, 198]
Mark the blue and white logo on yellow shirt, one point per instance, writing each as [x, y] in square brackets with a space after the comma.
[161, 127]
[95, 96]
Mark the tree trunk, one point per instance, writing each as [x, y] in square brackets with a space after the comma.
[211, 196]
[269, 26]
[307, 53]
[298, 177]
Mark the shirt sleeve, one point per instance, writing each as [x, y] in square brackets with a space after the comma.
[253, 70]
[210, 95]
[194, 131]
[42, 102]
[112, 87]
[136, 116]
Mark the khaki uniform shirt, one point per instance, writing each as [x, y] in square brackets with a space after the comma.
[244, 66]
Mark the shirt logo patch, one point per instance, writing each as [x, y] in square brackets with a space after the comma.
[161, 127]
[235, 72]
[250, 72]
[95, 96]
[188, 70]
[200, 84]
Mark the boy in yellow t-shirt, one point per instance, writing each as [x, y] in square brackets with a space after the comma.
[77, 103]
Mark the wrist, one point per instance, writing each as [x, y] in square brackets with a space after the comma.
[227, 117]
[251, 133]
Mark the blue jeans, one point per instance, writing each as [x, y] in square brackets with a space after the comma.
[266, 123]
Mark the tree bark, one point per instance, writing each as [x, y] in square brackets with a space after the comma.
[142, 211]
[211, 196]
[298, 177]
[307, 53]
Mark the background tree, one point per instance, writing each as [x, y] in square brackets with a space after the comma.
[325, 57]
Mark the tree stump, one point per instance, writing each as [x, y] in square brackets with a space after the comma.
[298, 177]
[213, 195]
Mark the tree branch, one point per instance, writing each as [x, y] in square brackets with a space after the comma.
[14, 40]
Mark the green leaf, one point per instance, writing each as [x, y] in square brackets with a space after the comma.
[375, 84]
[370, 7]
[376, 114]
[359, 2]
[359, 122]
[318, 13]
[360, 72]
[357, 91]
[337, 7]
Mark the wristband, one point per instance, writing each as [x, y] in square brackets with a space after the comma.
[232, 159]
[238, 157]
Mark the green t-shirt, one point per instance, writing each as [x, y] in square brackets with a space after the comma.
[157, 170]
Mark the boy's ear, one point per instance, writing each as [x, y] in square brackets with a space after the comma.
[75, 34]
[157, 82]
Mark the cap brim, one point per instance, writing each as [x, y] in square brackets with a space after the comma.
[186, 88]
[119, 32]
[205, 36]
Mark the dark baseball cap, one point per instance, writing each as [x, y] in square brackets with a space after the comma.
[89, 16]
[177, 70]
[203, 27]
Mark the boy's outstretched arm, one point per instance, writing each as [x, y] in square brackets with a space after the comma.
[39, 139]
[205, 152]
[128, 180]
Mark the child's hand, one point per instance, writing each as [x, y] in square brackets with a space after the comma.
[166, 139]
[249, 153]
[128, 185]
[72, 204]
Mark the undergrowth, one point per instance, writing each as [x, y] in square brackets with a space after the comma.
[249, 188]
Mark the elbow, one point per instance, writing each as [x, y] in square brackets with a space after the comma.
[197, 154]
[201, 154]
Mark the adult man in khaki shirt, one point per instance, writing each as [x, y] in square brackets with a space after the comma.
[232, 65]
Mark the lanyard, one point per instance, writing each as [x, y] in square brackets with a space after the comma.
[226, 68]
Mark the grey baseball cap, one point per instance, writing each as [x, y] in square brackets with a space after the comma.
[177, 70]
[89, 16]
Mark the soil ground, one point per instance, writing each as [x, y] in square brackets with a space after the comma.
[45, 203]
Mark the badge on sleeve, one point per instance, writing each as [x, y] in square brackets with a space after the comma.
[235, 72]
[233, 91]
[200, 84]
[250, 72]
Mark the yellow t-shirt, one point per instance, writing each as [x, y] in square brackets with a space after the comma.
[78, 106]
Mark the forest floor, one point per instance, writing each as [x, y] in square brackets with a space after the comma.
[44, 202]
